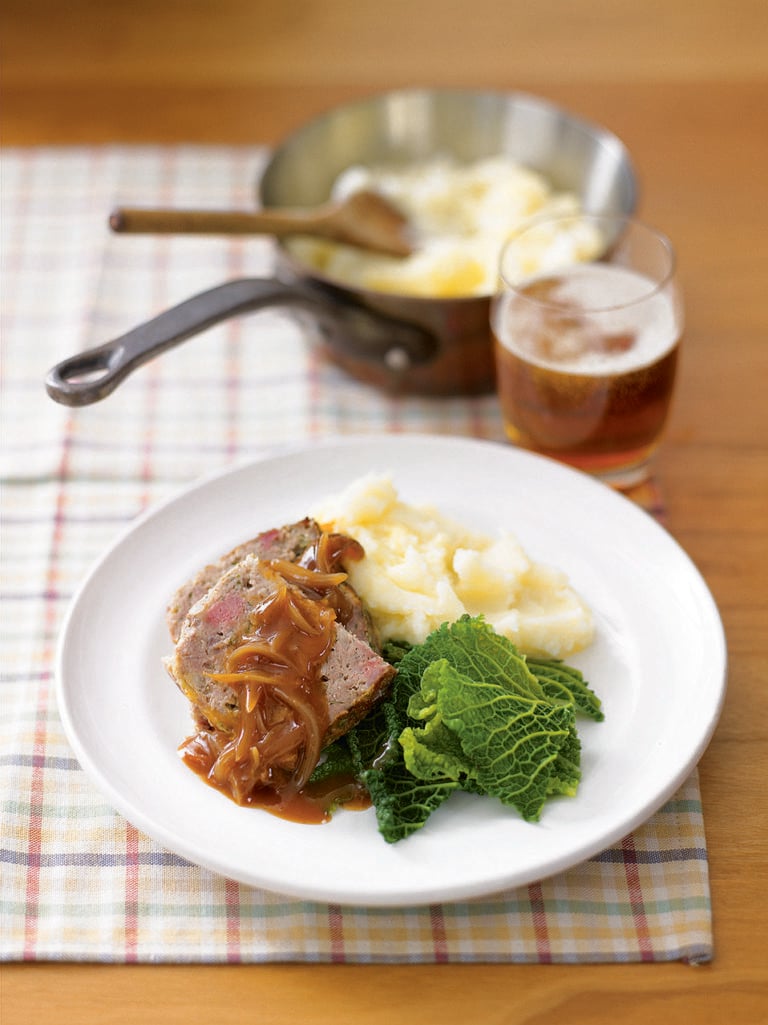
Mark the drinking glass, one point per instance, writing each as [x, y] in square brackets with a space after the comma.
[587, 322]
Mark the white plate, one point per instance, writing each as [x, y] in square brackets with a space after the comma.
[658, 664]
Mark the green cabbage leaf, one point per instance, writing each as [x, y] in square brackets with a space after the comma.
[468, 711]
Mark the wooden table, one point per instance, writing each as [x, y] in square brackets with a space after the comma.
[686, 87]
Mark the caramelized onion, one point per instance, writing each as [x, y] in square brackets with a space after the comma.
[259, 651]
[306, 717]
[242, 677]
[300, 620]
[224, 763]
[245, 738]
[304, 577]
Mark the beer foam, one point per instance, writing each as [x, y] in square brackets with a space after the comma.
[576, 345]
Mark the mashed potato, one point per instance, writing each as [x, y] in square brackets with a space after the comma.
[422, 569]
[460, 215]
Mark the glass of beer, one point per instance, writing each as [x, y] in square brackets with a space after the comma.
[587, 321]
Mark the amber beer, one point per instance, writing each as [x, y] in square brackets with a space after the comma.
[586, 361]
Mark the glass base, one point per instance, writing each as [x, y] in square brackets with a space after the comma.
[626, 477]
[621, 472]
[622, 478]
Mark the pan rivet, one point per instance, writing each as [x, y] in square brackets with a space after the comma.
[397, 359]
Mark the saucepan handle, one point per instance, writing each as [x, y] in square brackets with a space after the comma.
[90, 376]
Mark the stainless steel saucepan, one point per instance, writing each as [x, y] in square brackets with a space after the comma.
[395, 342]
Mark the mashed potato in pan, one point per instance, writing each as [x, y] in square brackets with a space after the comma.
[423, 569]
[460, 215]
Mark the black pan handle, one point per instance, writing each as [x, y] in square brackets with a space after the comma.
[347, 327]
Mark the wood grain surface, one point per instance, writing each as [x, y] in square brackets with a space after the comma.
[686, 87]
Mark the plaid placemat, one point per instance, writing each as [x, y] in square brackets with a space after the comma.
[78, 881]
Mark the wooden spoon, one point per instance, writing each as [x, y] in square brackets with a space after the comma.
[365, 219]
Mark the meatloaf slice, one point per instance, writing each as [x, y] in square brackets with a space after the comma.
[287, 543]
[355, 677]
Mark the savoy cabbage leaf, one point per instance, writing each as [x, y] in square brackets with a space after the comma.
[468, 711]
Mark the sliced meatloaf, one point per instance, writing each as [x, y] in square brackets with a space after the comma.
[288, 543]
[353, 674]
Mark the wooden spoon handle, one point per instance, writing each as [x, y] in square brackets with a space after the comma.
[143, 220]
